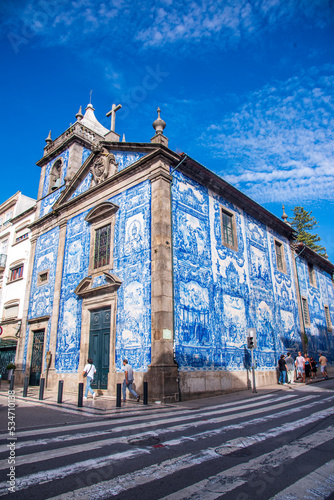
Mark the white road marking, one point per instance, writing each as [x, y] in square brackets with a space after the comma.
[319, 484]
[210, 488]
[210, 453]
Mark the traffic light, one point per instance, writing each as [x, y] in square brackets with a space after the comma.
[251, 338]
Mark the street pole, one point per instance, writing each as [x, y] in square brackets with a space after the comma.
[253, 371]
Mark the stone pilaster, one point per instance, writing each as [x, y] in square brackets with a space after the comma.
[163, 372]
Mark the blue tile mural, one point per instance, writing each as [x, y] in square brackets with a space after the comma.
[41, 296]
[49, 200]
[132, 264]
[76, 260]
[220, 292]
[319, 296]
[126, 158]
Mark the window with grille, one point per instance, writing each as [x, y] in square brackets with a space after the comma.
[16, 273]
[21, 237]
[328, 319]
[229, 234]
[306, 311]
[43, 278]
[280, 260]
[102, 246]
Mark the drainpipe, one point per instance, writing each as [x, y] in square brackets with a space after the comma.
[300, 297]
[172, 255]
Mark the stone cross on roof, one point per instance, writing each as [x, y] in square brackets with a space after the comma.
[112, 112]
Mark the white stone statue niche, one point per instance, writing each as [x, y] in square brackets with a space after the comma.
[103, 166]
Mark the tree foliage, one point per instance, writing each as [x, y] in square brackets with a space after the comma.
[303, 222]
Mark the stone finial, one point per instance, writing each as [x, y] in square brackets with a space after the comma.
[48, 140]
[159, 124]
[326, 254]
[123, 140]
[79, 115]
[284, 216]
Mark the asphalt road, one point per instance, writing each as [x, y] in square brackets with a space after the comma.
[277, 445]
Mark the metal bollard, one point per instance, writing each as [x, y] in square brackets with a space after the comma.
[118, 395]
[11, 383]
[80, 394]
[145, 395]
[60, 391]
[25, 387]
[41, 389]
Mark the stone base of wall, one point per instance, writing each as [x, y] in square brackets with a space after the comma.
[203, 384]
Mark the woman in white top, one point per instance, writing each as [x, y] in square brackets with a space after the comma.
[90, 370]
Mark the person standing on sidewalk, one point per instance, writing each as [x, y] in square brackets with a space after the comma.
[282, 370]
[88, 372]
[290, 364]
[300, 365]
[323, 364]
[128, 381]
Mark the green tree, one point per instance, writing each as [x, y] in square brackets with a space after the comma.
[303, 222]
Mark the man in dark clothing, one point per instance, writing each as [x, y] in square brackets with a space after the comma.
[282, 370]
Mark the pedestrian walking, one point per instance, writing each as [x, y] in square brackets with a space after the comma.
[88, 372]
[323, 365]
[128, 381]
[282, 370]
[300, 365]
[290, 365]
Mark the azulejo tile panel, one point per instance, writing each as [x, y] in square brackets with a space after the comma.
[132, 264]
[318, 296]
[41, 296]
[85, 185]
[220, 292]
[126, 158]
[76, 260]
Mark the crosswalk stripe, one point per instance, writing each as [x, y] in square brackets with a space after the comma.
[73, 449]
[319, 484]
[229, 479]
[82, 435]
[180, 412]
[210, 453]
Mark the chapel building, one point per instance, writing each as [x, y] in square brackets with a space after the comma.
[142, 253]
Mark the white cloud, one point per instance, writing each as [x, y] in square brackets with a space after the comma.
[280, 144]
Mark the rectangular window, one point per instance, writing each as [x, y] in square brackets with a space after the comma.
[21, 237]
[229, 233]
[306, 312]
[102, 246]
[280, 260]
[43, 278]
[11, 311]
[311, 274]
[328, 319]
[16, 273]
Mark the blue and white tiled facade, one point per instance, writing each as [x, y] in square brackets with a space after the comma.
[221, 292]
[42, 295]
[318, 296]
[49, 200]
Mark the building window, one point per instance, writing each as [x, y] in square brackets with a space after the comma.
[16, 273]
[102, 246]
[21, 237]
[11, 311]
[229, 231]
[280, 259]
[311, 273]
[43, 278]
[328, 319]
[306, 312]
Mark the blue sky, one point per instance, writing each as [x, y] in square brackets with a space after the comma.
[245, 87]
